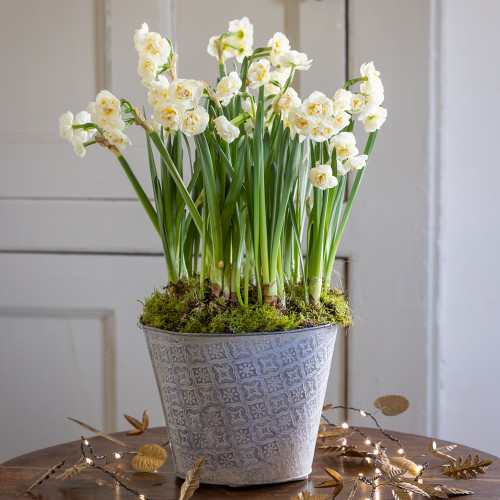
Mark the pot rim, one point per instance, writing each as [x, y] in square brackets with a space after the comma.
[232, 335]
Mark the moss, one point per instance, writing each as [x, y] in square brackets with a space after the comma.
[183, 307]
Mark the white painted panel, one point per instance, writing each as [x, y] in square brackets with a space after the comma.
[50, 369]
[470, 243]
[388, 227]
[77, 226]
[48, 62]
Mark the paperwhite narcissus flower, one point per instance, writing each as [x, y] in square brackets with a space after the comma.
[322, 130]
[158, 91]
[279, 44]
[228, 87]
[259, 73]
[105, 111]
[341, 101]
[185, 93]
[300, 122]
[66, 125]
[321, 176]
[147, 69]
[372, 116]
[295, 58]
[156, 47]
[341, 121]
[139, 36]
[117, 138]
[226, 130]
[227, 51]
[317, 105]
[356, 162]
[344, 144]
[244, 38]
[194, 121]
[168, 115]
[80, 119]
[270, 87]
[373, 88]
[357, 103]
[78, 146]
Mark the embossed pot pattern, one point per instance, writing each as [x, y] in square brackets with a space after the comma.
[249, 403]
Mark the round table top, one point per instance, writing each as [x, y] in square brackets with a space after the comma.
[20, 473]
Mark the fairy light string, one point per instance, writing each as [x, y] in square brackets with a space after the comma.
[365, 413]
[85, 443]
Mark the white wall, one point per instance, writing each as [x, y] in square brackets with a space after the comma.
[470, 227]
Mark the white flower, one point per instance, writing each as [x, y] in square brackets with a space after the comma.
[168, 115]
[80, 119]
[258, 73]
[300, 122]
[341, 101]
[357, 103]
[228, 87]
[279, 45]
[117, 138]
[105, 111]
[341, 168]
[341, 121]
[321, 176]
[185, 93]
[344, 144]
[66, 125]
[356, 162]
[243, 40]
[139, 36]
[248, 105]
[147, 68]
[78, 146]
[194, 121]
[270, 87]
[317, 105]
[373, 88]
[154, 46]
[368, 70]
[295, 58]
[372, 116]
[322, 130]
[158, 91]
[287, 101]
[226, 130]
[227, 51]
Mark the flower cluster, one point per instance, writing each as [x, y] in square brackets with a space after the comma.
[256, 144]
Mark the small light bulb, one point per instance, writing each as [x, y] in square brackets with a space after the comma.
[378, 471]
[368, 460]
[117, 455]
[401, 451]
[368, 441]
[419, 468]
[360, 474]
[375, 451]
[345, 425]
[142, 497]
[89, 461]
[362, 413]
[86, 443]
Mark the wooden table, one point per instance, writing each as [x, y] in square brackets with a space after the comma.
[18, 474]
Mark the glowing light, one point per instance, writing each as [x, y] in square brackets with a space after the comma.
[142, 497]
[375, 451]
[345, 425]
[401, 451]
[360, 474]
[368, 441]
[86, 443]
[362, 413]
[419, 468]
[378, 471]
[89, 461]
[117, 455]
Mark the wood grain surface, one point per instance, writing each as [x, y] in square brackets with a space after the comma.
[18, 474]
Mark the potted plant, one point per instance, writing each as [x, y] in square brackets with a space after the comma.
[249, 186]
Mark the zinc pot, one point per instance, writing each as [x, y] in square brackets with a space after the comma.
[249, 403]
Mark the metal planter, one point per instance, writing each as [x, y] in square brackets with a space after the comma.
[249, 403]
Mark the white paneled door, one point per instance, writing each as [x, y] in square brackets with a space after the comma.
[77, 253]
